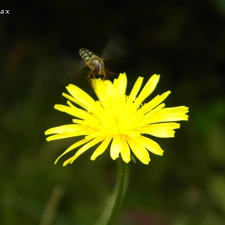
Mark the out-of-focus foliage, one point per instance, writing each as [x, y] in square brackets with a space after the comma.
[182, 41]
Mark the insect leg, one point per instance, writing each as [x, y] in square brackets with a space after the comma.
[111, 74]
[91, 74]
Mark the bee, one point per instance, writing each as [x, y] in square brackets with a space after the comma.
[95, 63]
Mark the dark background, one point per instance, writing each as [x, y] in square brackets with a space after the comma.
[184, 41]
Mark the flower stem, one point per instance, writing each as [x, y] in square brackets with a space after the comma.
[122, 172]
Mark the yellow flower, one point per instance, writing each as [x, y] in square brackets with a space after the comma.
[117, 120]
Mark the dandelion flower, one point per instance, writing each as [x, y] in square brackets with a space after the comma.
[118, 121]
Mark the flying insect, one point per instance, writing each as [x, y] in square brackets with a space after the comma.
[95, 63]
[116, 49]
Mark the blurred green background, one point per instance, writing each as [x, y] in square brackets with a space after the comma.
[184, 41]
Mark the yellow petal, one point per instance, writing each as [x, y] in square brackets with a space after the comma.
[71, 111]
[120, 85]
[148, 89]
[125, 150]
[100, 88]
[65, 135]
[81, 97]
[65, 129]
[68, 161]
[170, 114]
[104, 90]
[101, 148]
[139, 151]
[150, 145]
[115, 147]
[135, 89]
[72, 99]
[163, 130]
[142, 120]
[75, 145]
[83, 149]
[153, 103]
[109, 90]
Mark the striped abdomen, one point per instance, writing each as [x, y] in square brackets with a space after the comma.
[85, 54]
[94, 62]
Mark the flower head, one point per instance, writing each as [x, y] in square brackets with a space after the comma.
[117, 120]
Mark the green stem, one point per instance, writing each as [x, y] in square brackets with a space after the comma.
[122, 172]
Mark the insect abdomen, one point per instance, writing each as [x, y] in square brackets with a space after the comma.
[85, 54]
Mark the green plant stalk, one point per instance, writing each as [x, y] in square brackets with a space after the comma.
[122, 173]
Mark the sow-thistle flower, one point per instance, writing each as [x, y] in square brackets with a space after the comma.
[118, 121]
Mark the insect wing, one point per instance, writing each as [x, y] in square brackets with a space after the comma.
[115, 47]
[74, 66]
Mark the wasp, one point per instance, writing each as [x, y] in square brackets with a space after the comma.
[95, 63]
